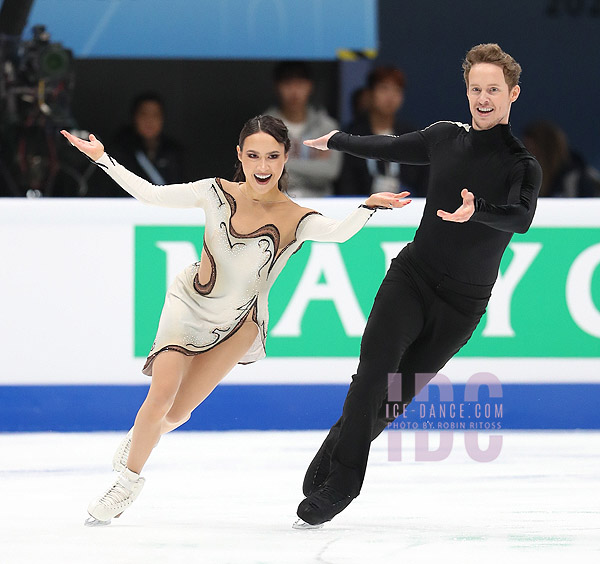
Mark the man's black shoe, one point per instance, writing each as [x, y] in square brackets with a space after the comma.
[323, 505]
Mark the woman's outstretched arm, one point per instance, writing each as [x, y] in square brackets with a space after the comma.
[316, 227]
[189, 195]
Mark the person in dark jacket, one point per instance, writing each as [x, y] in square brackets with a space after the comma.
[565, 173]
[144, 149]
[385, 97]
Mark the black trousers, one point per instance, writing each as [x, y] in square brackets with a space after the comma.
[419, 321]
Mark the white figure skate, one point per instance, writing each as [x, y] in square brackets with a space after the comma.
[116, 499]
[119, 462]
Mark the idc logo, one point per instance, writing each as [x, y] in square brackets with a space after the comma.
[479, 409]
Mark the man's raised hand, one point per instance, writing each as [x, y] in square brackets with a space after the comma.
[321, 142]
[464, 212]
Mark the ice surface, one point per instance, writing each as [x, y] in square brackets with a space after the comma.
[230, 497]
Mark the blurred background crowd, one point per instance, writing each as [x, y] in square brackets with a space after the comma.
[173, 121]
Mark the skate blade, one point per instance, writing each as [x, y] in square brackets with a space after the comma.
[301, 524]
[93, 522]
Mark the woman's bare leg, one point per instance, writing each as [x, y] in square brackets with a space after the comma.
[168, 371]
[179, 384]
[206, 371]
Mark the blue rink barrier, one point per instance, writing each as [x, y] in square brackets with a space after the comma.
[294, 407]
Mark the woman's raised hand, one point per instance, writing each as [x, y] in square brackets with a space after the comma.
[92, 148]
[388, 200]
[321, 142]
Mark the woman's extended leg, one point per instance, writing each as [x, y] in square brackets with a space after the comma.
[179, 384]
[167, 374]
[205, 372]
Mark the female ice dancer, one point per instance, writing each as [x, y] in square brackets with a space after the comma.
[215, 313]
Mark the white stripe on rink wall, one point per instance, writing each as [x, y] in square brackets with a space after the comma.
[303, 370]
[458, 370]
[66, 296]
[551, 212]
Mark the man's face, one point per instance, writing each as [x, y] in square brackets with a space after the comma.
[387, 97]
[489, 96]
[294, 92]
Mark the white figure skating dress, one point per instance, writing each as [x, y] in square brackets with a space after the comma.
[243, 266]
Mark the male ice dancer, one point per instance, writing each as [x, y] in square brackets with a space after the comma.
[438, 287]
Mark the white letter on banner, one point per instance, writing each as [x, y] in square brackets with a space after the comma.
[391, 249]
[498, 310]
[179, 255]
[579, 291]
[325, 260]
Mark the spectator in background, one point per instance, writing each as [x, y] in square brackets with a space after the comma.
[385, 88]
[359, 103]
[311, 172]
[143, 148]
[565, 174]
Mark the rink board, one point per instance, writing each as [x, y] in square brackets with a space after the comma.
[296, 407]
[83, 281]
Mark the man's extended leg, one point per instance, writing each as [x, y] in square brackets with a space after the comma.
[395, 321]
[447, 329]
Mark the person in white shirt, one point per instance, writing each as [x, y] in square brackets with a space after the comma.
[312, 173]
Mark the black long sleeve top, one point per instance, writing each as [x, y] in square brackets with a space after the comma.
[356, 176]
[493, 164]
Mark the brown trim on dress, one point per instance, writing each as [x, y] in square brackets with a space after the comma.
[270, 230]
[178, 348]
[373, 208]
[204, 289]
[313, 212]
[247, 307]
[218, 181]
[267, 251]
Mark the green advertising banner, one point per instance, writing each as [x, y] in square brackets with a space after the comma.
[546, 302]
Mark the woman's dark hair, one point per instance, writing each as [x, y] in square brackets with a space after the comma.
[276, 129]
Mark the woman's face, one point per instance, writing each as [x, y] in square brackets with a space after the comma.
[263, 159]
